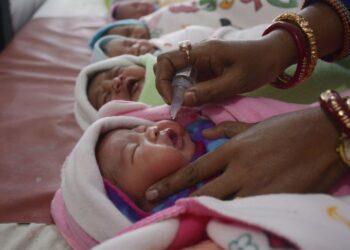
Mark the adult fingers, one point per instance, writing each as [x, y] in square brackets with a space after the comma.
[226, 129]
[204, 167]
[220, 187]
[171, 62]
[165, 69]
[214, 89]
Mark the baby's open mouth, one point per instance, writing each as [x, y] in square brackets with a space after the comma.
[133, 85]
[174, 138]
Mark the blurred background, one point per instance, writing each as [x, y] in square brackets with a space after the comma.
[14, 14]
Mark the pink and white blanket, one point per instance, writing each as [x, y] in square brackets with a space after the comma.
[216, 13]
[87, 218]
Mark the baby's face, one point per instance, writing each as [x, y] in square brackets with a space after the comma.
[118, 83]
[133, 31]
[134, 159]
[129, 46]
[133, 10]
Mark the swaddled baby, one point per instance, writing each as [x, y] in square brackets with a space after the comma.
[127, 77]
[132, 159]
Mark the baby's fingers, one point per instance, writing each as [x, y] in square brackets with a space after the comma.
[221, 188]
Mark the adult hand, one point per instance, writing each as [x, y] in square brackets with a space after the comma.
[290, 153]
[226, 68]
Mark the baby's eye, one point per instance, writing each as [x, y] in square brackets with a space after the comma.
[134, 152]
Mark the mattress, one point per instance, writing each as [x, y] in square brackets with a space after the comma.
[37, 126]
[71, 8]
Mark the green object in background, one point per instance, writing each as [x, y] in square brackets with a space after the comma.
[326, 76]
[149, 94]
[108, 3]
[284, 4]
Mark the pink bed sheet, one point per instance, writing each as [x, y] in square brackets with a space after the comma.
[37, 125]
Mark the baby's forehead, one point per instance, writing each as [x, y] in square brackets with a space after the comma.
[99, 76]
[124, 41]
[104, 71]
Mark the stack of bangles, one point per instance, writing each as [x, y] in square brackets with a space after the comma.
[305, 41]
[338, 110]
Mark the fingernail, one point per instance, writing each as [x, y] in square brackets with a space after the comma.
[152, 194]
[191, 97]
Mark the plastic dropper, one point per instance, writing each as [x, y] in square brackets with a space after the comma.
[183, 79]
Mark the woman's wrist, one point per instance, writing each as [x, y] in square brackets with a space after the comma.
[333, 136]
[337, 110]
[282, 48]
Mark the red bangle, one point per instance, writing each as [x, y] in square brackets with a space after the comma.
[335, 107]
[284, 81]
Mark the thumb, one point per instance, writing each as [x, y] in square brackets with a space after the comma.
[226, 129]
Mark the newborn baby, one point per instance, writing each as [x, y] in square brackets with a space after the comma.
[127, 77]
[128, 28]
[137, 9]
[132, 9]
[132, 159]
[138, 32]
[117, 83]
[130, 46]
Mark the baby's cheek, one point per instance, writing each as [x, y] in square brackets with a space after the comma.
[164, 163]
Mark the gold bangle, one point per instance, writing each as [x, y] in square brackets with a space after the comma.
[304, 25]
[344, 151]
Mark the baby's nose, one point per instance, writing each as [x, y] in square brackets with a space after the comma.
[135, 49]
[152, 133]
[117, 83]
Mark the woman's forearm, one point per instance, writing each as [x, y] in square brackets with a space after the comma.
[327, 27]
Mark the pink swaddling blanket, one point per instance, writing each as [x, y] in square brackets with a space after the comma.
[87, 230]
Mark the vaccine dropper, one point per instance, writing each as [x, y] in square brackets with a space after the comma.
[183, 79]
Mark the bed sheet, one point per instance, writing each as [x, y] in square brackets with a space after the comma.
[37, 126]
[71, 8]
[31, 237]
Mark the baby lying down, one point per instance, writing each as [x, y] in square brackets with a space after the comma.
[95, 203]
[127, 77]
[115, 45]
[116, 83]
[132, 159]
